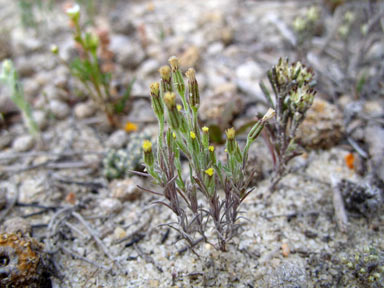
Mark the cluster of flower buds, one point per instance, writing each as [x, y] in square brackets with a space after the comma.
[301, 99]
[293, 82]
[286, 73]
[302, 23]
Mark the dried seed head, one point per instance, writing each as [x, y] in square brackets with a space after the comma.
[194, 96]
[174, 62]
[170, 99]
[269, 115]
[191, 74]
[155, 89]
[165, 72]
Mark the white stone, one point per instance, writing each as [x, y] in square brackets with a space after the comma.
[84, 110]
[117, 140]
[23, 143]
[59, 109]
[110, 205]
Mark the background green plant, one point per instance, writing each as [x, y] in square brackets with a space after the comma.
[292, 85]
[10, 79]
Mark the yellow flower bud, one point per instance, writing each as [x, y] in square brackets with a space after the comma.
[147, 146]
[211, 148]
[209, 172]
[178, 106]
[192, 134]
[205, 129]
[230, 133]
[165, 72]
[191, 74]
[155, 89]
[170, 99]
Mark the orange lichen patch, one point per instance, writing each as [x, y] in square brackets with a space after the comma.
[285, 250]
[71, 198]
[130, 127]
[23, 265]
[350, 161]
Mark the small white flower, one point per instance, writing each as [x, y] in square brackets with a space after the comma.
[73, 11]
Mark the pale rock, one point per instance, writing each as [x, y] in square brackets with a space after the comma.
[31, 190]
[117, 140]
[25, 67]
[129, 54]
[40, 118]
[5, 139]
[249, 70]
[148, 67]
[84, 110]
[23, 143]
[119, 233]
[215, 48]
[23, 43]
[110, 205]
[222, 106]
[59, 109]
[323, 126]
[17, 225]
[120, 24]
[31, 88]
[126, 189]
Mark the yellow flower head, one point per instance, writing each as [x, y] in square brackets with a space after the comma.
[191, 74]
[130, 127]
[230, 133]
[155, 88]
[174, 135]
[192, 134]
[174, 62]
[205, 129]
[147, 146]
[178, 106]
[170, 99]
[209, 172]
[165, 72]
[211, 148]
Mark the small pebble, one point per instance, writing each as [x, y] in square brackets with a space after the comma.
[285, 251]
[84, 110]
[23, 143]
[126, 190]
[117, 140]
[59, 109]
[111, 205]
[119, 233]
[17, 225]
[40, 118]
